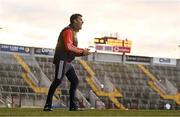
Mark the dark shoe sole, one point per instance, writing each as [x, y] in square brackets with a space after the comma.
[77, 109]
[73, 109]
[47, 109]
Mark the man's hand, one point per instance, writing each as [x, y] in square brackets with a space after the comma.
[86, 52]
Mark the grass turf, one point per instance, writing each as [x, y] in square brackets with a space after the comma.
[65, 112]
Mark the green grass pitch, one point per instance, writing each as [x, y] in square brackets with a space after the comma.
[64, 112]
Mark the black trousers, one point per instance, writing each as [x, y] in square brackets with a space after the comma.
[62, 69]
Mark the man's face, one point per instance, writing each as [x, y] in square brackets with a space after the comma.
[78, 23]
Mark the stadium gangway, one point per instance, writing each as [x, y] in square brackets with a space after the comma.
[155, 86]
[111, 95]
[27, 76]
[98, 90]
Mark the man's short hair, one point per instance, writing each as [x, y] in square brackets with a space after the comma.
[74, 16]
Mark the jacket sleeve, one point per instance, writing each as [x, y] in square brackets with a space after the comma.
[68, 43]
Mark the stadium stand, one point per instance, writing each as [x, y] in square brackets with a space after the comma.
[133, 84]
[14, 90]
[129, 82]
[166, 74]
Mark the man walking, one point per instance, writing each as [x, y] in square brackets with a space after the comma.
[66, 50]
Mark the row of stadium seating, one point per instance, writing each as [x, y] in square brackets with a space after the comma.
[13, 87]
[132, 83]
[164, 72]
[129, 79]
